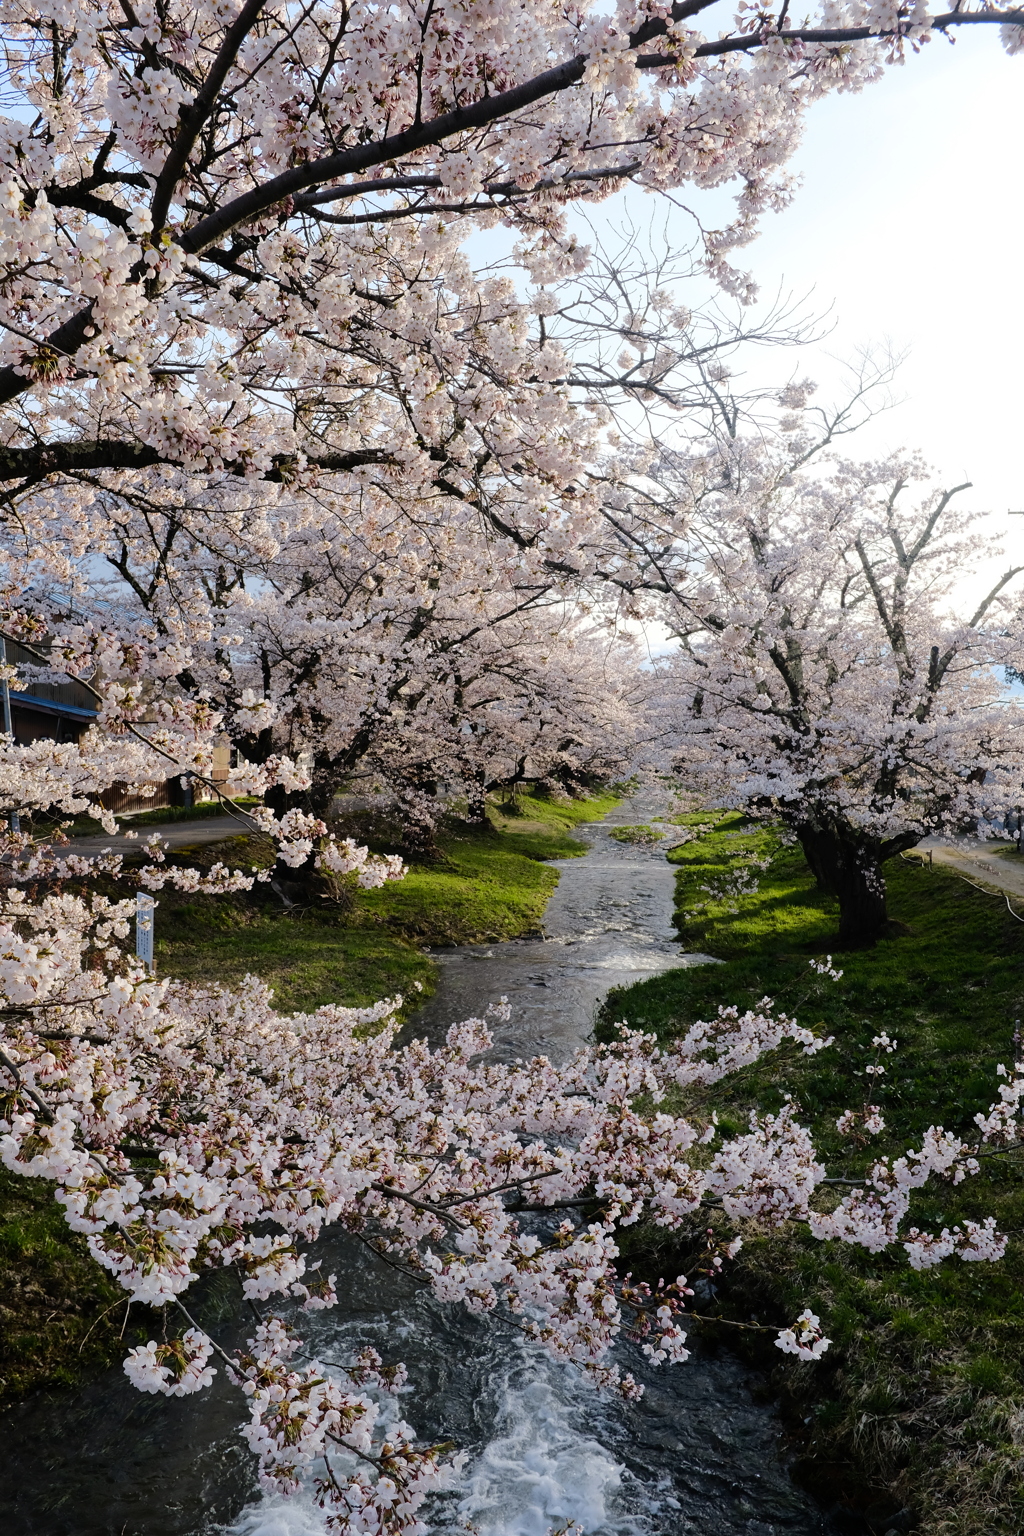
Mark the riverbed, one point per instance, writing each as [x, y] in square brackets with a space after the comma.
[698, 1456]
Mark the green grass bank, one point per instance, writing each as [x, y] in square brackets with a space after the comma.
[916, 1414]
[60, 1316]
[482, 884]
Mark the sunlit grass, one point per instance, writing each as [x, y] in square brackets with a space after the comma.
[922, 1394]
[643, 835]
[481, 885]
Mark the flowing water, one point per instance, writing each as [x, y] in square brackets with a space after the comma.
[698, 1456]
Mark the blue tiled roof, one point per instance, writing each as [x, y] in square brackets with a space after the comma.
[32, 701]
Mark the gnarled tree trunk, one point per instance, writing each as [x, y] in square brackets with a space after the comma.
[476, 800]
[849, 867]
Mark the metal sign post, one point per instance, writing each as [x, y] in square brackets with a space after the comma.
[144, 909]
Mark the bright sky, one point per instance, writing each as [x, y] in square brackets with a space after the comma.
[910, 220]
[910, 224]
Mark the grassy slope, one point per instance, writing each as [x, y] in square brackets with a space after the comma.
[308, 960]
[922, 1394]
[58, 1311]
[486, 885]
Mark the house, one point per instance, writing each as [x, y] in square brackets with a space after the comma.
[64, 712]
[58, 711]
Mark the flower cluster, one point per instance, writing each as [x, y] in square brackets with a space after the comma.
[826, 968]
[176, 1369]
[805, 1340]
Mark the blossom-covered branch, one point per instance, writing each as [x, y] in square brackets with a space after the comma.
[188, 1128]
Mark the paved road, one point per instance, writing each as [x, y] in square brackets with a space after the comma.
[176, 834]
[983, 862]
[980, 861]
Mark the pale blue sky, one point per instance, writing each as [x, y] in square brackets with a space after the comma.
[909, 223]
[910, 220]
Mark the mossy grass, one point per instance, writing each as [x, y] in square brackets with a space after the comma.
[59, 1312]
[489, 884]
[921, 1397]
[308, 960]
[643, 835]
[480, 884]
[550, 815]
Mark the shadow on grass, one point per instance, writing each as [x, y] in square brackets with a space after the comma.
[921, 1398]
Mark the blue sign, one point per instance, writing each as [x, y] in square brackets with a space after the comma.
[144, 909]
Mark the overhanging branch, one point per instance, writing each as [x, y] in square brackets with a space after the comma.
[65, 341]
[37, 463]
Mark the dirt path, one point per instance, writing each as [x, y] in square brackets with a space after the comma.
[985, 863]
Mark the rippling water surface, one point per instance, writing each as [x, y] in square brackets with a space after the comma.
[696, 1457]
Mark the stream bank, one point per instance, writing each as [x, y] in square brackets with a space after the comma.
[919, 1397]
[61, 1317]
[698, 1456]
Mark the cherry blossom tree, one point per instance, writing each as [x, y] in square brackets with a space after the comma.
[278, 461]
[237, 317]
[420, 630]
[539, 698]
[824, 679]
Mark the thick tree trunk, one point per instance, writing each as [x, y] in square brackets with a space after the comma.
[180, 791]
[476, 801]
[304, 885]
[849, 868]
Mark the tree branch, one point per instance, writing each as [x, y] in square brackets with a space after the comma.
[96, 454]
[23, 1087]
[67, 338]
[386, 184]
[193, 120]
[989, 599]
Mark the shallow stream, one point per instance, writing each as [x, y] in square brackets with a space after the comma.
[698, 1456]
